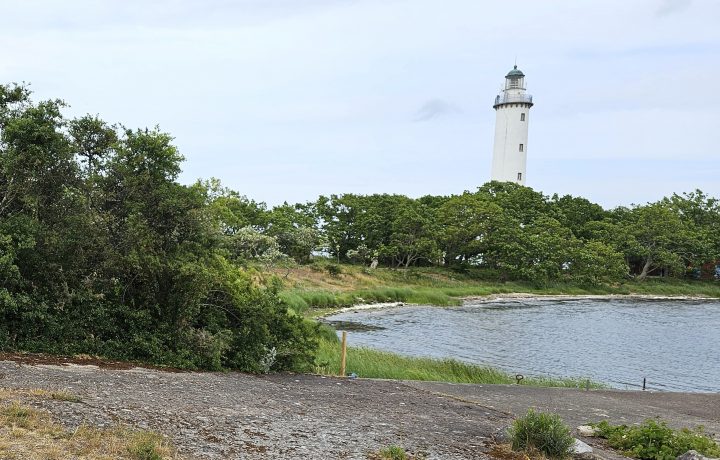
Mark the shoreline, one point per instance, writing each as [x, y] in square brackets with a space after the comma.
[516, 296]
[526, 296]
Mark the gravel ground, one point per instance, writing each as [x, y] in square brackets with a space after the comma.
[233, 415]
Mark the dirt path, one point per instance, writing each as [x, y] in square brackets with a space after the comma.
[285, 416]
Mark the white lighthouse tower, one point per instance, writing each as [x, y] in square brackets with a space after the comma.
[512, 109]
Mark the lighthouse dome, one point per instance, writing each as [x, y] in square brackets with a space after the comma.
[515, 73]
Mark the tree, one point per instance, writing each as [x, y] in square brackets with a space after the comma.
[93, 140]
[594, 262]
[654, 235]
[103, 252]
[575, 213]
[519, 202]
[549, 248]
[465, 222]
[413, 238]
[295, 231]
[231, 211]
[700, 214]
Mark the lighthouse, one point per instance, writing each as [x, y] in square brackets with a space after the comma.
[512, 114]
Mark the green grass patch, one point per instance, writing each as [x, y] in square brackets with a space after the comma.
[654, 440]
[541, 432]
[143, 445]
[371, 363]
[395, 453]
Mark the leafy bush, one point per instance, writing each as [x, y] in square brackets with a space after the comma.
[654, 440]
[334, 269]
[542, 432]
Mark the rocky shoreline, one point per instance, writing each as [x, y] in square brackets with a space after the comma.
[529, 296]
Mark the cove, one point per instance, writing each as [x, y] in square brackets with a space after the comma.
[674, 344]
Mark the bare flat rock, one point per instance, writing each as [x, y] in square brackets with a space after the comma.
[234, 415]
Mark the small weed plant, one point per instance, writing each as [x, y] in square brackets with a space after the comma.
[145, 446]
[654, 440]
[65, 396]
[395, 453]
[542, 432]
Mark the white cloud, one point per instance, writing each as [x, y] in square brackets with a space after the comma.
[435, 108]
[668, 7]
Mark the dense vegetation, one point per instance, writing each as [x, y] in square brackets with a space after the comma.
[654, 440]
[502, 231]
[514, 232]
[103, 251]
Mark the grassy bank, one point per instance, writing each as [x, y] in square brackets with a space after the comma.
[369, 363]
[313, 287]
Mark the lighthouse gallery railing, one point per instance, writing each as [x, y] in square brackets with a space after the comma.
[509, 99]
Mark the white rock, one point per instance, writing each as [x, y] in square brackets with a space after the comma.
[581, 448]
[693, 455]
[586, 430]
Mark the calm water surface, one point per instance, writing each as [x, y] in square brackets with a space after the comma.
[674, 344]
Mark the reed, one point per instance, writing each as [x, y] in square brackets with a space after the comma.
[371, 363]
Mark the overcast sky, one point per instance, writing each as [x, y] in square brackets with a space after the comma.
[284, 100]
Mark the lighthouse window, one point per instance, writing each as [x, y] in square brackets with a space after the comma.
[522, 117]
[521, 147]
[519, 176]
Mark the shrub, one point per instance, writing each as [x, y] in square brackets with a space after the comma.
[334, 269]
[654, 440]
[542, 432]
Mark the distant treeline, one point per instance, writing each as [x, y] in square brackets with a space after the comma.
[103, 252]
[503, 230]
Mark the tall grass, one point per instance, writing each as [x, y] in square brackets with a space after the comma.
[543, 432]
[370, 363]
[301, 300]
